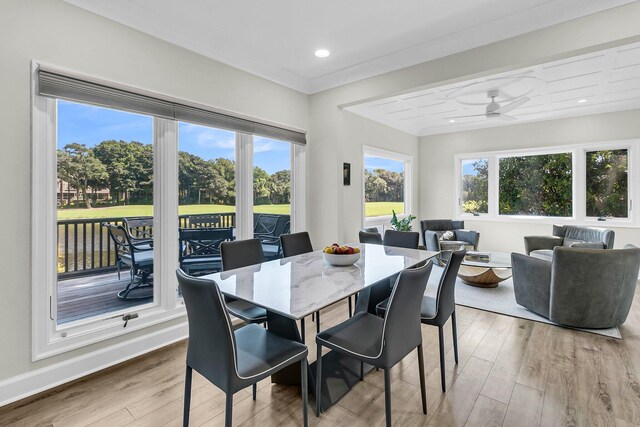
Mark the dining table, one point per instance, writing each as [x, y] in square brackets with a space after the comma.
[293, 288]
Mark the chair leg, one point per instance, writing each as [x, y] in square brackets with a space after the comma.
[305, 391]
[441, 339]
[228, 417]
[313, 317]
[302, 329]
[317, 322]
[350, 308]
[387, 396]
[318, 379]
[361, 371]
[454, 327]
[255, 390]
[423, 385]
[187, 396]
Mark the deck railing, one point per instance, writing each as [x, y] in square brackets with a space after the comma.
[84, 246]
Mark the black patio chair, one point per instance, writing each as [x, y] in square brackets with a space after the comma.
[204, 221]
[140, 229]
[200, 249]
[232, 360]
[265, 226]
[137, 257]
[272, 245]
[382, 342]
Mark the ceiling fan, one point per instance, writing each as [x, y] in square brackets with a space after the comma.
[495, 111]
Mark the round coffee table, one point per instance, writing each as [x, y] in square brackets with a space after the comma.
[486, 274]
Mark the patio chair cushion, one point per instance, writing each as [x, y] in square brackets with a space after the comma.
[143, 258]
[543, 254]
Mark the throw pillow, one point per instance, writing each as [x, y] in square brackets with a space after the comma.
[588, 245]
[448, 235]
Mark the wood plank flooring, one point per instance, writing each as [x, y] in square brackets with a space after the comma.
[512, 372]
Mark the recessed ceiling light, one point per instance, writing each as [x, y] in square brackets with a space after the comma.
[452, 121]
[322, 53]
[581, 101]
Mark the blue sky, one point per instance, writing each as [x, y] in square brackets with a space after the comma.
[467, 167]
[371, 163]
[90, 125]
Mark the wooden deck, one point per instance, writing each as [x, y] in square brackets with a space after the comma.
[88, 296]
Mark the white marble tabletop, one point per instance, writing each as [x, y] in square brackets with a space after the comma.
[297, 286]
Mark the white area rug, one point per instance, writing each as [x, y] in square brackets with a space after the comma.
[499, 300]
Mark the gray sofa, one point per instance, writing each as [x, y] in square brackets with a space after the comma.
[582, 288]
[568, 236]
[434, 229]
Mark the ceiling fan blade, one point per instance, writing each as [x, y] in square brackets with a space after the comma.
[513, 105]
[506, 117]
[464, 117]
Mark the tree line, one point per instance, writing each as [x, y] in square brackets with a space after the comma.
[381, 185]
[126, 169]
[542, 185]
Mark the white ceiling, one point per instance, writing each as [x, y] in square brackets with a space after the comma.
[276, 39]
[598, 82]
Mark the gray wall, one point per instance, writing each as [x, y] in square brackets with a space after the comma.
[437, 196]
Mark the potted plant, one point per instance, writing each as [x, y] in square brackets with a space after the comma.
[403, 224]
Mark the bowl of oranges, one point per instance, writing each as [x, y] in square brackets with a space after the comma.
[340, 256]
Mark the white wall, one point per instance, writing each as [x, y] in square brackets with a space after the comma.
[60, 34]
[437, 196]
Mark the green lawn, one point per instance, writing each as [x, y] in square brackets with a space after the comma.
[383, 208]
[371, 209]
[145, 210]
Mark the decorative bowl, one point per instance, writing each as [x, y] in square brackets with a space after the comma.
[340, 260]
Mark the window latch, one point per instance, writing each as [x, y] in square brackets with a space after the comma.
[128, 317]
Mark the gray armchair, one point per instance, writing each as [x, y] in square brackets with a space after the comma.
[433, 231]
[582, 288]
[568, 236]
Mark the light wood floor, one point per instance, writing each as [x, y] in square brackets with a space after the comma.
[512, 372]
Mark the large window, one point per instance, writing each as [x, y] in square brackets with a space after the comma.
[104, 174]
[117, 192]
[583, 183]
[386, 184]
[538, 185]
[607, 180]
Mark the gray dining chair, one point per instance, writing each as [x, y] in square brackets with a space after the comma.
[238, 254]
[295, 244]
[401, 239]
[382, 342]
[231, 360]
[370, 235]
[436, 311]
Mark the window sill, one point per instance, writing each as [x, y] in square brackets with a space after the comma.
[67, 339]
[548, 220]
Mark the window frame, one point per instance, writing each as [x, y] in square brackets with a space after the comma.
[408, 178]
[50, 338]
[579, 209]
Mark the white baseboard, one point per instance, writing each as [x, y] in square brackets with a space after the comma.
[38, 380]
